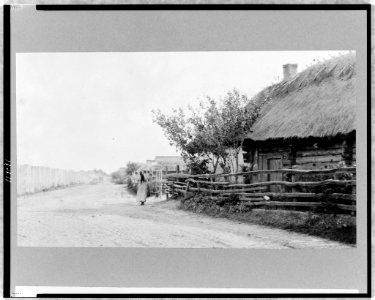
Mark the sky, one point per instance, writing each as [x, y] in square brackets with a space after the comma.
[81, 111]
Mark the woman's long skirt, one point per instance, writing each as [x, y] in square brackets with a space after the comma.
[142, 192]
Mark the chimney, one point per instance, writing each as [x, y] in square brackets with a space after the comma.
[289, 70]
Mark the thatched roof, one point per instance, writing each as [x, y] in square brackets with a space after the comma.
[318, 102]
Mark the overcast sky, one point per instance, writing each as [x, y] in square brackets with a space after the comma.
[93, 110]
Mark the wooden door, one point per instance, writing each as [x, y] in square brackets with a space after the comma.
[275, 163]
[262, 165]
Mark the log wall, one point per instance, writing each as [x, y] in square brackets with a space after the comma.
[308, 158]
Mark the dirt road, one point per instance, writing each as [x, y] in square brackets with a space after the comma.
[105, 215]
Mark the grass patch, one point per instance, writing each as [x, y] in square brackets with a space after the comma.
[340, 228]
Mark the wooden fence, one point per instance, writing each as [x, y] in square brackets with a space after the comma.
[299, 189]
[31, 179]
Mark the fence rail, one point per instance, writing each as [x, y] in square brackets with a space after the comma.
[293, 194]
[287, 171]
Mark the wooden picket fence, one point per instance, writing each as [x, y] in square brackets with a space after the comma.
[32, 179]
[259, 193]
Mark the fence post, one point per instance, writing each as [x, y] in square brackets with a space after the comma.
[187, 188]
[211, 186]
[354, 192]
[172, 188]
[293, 179]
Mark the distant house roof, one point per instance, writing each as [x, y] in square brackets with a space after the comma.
[318, 102]
[168, 163]
[169, 159]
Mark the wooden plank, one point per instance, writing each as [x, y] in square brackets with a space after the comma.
[287, 183]
[181, 191]
[320, 152]
[208, 182]
[347, 207]
[294, 204]
[176, 175]
[249, 187]
[323, 148]
[299, 195]
[250, 191]
[287, 171]
[252, 199]
[291, 204]
[223, 192]
[263, 164]
[352, 197]
[317, 159]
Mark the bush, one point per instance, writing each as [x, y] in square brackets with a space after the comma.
[326, 189]
[131, 187]
[118, 177]
[247, 178]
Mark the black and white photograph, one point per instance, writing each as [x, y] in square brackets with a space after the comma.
[194, 149]
[190, 149]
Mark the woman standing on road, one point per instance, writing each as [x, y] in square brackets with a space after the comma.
[142, 188]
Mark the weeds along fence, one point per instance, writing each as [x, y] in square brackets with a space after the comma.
[328, 190]
[32, 179]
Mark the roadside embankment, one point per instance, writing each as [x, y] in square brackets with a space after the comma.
[340, 228]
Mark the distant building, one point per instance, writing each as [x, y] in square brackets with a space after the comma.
[171, 163]
[167, 164]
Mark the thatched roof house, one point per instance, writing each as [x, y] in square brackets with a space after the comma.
[308, 119]
[318, 102]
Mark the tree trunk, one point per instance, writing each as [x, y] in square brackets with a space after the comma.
[216, 164]
[237, 162]
[237, 166]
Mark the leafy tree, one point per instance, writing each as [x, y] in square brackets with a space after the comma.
[209, 131]
[238, 114]
[213, 133]
[120, 176]
[131, 167]
[180, 132]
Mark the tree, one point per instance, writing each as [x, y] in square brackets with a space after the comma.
[238, 114]
[131, 167]
[213, 132]
[208, 129]
[122, 174]
[181, 133]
